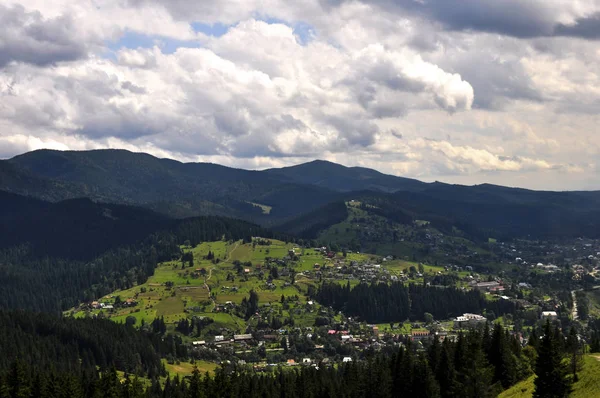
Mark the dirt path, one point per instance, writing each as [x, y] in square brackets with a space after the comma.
[210, 270]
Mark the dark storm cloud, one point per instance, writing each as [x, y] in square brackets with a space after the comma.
[28, 37]
[587, 28]
[517, 18]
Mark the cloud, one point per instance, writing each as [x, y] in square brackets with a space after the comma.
[517, 18]
[257, 90]
[586, 27]
[26, 36]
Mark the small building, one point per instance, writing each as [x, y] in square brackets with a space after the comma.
[419, 335]
[487, 286]
[219, 339]
[291, 362]
[306, 361]
[468, 320]
[552, 315]
[199, 343]
[242, 337]
[347, 359]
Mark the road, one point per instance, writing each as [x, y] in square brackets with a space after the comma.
[574, 311]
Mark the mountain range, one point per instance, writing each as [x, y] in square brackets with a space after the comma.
[285, 198]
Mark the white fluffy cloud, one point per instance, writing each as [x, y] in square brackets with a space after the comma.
[402, 88]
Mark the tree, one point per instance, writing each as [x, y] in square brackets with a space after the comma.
[573, 350]
[550, 381]
[428, 318]
[18, 386]
[251, 304]
[130, 320]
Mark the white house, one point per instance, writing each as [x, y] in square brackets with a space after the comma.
[549, 315]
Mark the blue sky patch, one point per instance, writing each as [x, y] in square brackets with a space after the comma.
[217, 30]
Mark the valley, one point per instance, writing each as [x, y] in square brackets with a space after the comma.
[295, 271]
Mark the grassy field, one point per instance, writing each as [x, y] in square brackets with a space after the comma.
[175, 293]
[588, 385]
[185, 368]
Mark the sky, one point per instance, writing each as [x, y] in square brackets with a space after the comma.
[460, 91]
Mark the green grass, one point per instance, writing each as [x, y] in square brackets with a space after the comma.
[520, 390]
[588, 385]
[185, 368]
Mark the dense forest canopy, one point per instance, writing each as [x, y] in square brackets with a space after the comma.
[380, 302]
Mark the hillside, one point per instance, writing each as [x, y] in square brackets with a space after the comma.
[297, 196]
[345, 179]
[53, 255]
[180, 189]
[75, 228]
[588, 385]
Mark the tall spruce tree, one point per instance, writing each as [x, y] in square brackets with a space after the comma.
[550, 381]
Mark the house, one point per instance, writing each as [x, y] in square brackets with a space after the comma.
[418, 335]
[306, 361]
[468, 320]
[219, 339]
[242, 337]
[487, 286]
[549, 315]
[331, 331]
[347, 359]
[291, 362]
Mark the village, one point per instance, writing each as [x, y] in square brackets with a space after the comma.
[288, 326]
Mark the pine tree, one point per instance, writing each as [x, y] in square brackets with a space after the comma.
[573, 350]
[195, 390]
[550, 381]
[18, 385]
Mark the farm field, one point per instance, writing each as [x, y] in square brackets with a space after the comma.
[217, 276]
[177, 291]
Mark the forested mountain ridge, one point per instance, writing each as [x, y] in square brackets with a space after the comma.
[181, 189]
[54, 255]
[297, 195]
[346, 179]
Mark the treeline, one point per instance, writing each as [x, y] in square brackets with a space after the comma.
[70, 345]
[479, 364]
[52, 284]
[381, 302]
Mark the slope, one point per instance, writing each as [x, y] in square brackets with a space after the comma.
[179, 189]
[53, 255]
[341, 178]
[588, 385]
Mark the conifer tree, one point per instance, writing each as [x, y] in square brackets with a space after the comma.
[18, 385]
[550, 381]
